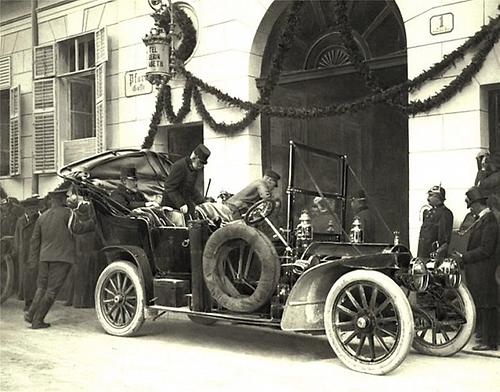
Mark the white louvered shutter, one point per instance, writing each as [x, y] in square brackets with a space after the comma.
[15, 131]
[44, 61]
[5, 72]
[101, 56]
[44, 121]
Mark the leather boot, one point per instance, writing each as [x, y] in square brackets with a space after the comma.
[43, 309]
[28, 316]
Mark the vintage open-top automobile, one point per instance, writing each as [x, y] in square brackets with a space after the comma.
[372, 300]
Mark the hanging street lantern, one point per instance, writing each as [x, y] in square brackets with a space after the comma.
[158, 51]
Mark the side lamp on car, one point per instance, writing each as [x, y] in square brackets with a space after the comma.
[419, 275]
[448, 270]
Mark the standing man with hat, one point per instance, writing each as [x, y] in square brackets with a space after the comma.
[488, 180]
[361, 211]
[437, 225]
[127, 193]
[480, 263]
[22, 236]
[180, 191]
[53, 248]
[261, 189]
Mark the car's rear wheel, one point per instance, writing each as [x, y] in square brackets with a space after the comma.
[119, 299]
[241, 268]
[368, 322]
[7, 276]
[444, 321]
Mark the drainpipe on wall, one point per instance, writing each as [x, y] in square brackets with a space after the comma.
[34, 42]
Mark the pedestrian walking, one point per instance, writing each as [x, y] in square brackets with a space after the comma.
[53, 248]
[435, 232]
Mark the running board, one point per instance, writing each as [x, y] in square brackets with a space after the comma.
[242, 319]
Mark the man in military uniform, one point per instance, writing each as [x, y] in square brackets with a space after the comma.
[180, 192]
[481, 260]
[22, 236]
[361, 211]
[437, 225]
[127, 193]
[53, 248]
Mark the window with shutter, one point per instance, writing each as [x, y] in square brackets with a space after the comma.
[4, 133]
[5, 72]
[44, 61]
[15, 131]
[44, 144]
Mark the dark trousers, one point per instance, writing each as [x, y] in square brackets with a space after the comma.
[51, 276]
[489, 326]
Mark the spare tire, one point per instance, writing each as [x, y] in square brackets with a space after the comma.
[241, 268]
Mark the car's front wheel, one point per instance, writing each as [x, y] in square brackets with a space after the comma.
[368, 322]
[119, 299]
[444, 320]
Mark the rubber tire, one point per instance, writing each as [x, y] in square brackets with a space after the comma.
[270, 268]
[463, 336]
[135, 324]
[201, 320]
[7, 289]
[402, 306]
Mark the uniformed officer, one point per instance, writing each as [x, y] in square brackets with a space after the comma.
[53, 248]
[127, 193]
[436, 226]
[180, 191]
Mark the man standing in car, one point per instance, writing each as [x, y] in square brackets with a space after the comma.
[436, 226]
[180, 191]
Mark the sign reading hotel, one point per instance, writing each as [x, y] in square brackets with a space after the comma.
[136, 83]
[440, 24]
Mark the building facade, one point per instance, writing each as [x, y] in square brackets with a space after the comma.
[72, 84]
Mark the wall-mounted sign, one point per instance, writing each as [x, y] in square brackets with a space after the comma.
[136, 83]
[440, 24]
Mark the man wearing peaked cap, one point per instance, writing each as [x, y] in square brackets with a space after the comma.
[361, 211]
[436, 226]
[180, 187]
[480, 261]
[261, 189]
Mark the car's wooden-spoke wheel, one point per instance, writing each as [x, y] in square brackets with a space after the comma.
[120, 299]
[444, 320]
[368, 322]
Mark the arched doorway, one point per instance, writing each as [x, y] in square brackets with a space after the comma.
[317, 72]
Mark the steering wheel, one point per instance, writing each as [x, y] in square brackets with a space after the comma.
[259, 211]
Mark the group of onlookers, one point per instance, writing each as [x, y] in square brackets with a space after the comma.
[482, 254]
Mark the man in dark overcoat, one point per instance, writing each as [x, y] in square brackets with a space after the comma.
[480, 263]
[53, 247]
[127, 193]
[437, 225]
[22, 236]
[180, 190]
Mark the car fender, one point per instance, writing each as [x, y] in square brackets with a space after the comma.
[305, 304]
[137, 256]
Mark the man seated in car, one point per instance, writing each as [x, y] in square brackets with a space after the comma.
[127, 193]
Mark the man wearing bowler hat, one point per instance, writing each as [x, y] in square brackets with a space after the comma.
[53, 248]
[480, 263]
[180, 191]
[437, 225]
[127, 193]
[261, 189]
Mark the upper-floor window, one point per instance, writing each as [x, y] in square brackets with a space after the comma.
[76, 54]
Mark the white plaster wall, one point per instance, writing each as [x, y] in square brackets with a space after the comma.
[444, 142]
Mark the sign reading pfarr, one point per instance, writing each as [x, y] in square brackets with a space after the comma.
[136, 83]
